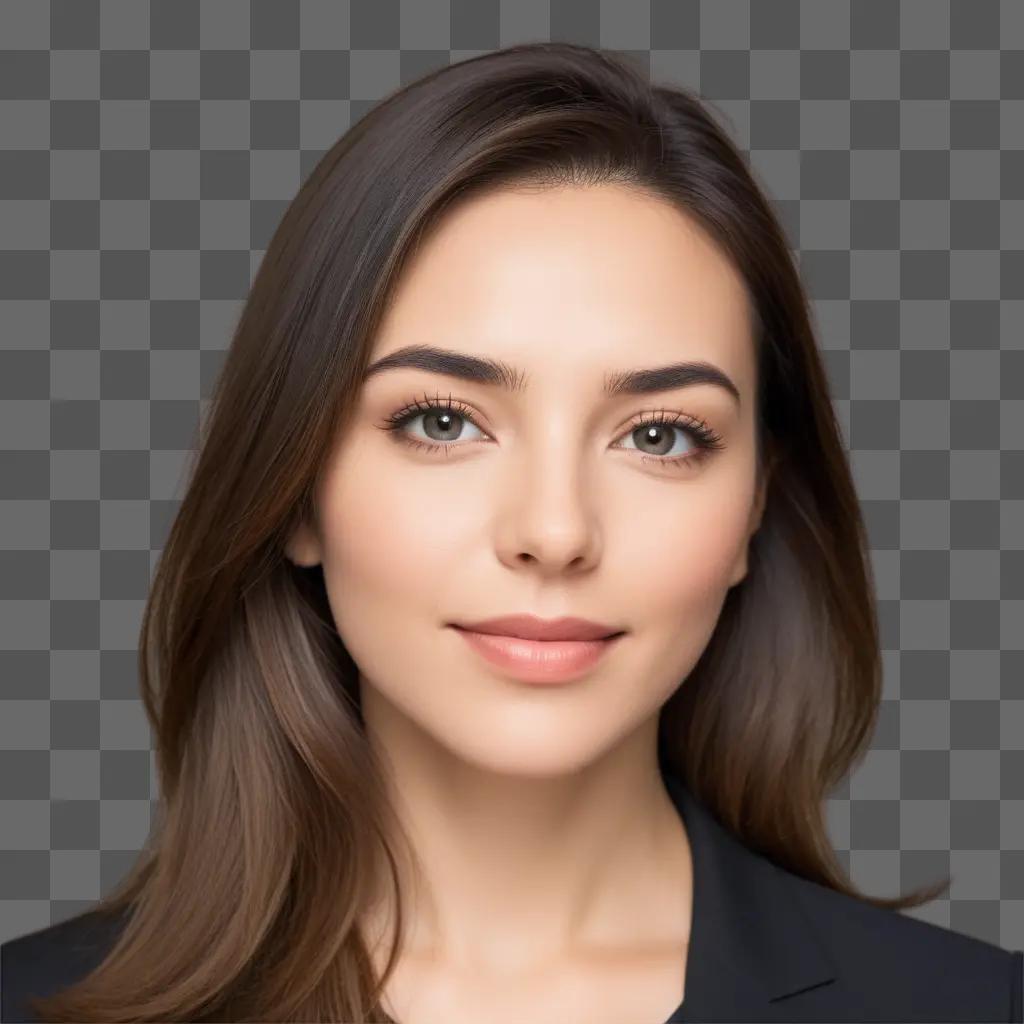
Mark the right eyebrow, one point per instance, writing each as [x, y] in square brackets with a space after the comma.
[494, 372]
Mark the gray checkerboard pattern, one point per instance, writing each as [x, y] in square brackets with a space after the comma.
[147, 150]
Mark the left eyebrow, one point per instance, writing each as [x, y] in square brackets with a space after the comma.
[496, 373]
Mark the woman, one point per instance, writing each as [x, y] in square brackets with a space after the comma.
[528, 343]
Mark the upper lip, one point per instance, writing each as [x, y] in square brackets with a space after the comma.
[529, 627]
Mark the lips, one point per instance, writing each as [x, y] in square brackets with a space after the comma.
[529, 627]
[539, 661]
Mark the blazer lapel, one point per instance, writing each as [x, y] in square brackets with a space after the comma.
[751, 943]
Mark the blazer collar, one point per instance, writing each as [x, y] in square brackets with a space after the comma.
[752, 941]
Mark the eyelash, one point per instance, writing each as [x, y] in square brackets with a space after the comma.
[706, 439]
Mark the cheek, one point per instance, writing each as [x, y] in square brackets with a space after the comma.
[389, 543]
[681, 553]
[675, 573]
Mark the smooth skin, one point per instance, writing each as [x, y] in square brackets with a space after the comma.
[556, 876]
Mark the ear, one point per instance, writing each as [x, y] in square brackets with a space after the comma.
[757, 509]
[756, 512]
[303, 547]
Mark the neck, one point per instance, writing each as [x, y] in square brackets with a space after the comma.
[516, 871]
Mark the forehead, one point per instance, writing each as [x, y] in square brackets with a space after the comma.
[598, 276]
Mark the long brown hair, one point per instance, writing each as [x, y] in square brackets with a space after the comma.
[273, 826]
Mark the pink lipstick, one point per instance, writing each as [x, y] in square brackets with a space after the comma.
[539, 661]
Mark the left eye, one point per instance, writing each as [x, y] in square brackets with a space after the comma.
[662, 428]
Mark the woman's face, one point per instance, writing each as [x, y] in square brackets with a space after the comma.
[550, 500]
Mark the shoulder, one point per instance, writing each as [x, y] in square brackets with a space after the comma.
[50, 959]
[915, 962]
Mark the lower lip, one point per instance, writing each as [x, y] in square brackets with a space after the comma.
[539, 661]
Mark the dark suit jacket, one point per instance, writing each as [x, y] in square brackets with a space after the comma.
[765, 945]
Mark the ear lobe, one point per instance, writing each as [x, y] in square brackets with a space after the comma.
[762, 495]
[740, 572]
[302, 548]
[758, 510]
[756, 513]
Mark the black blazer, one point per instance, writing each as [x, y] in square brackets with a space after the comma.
[765, 945]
